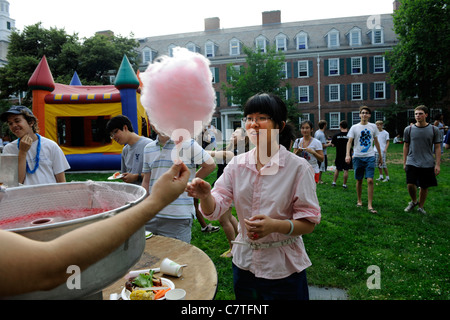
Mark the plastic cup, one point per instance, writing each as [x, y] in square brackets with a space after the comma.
[171, 268]
[175, 294]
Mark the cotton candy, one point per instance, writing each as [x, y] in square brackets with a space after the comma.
[177, 93]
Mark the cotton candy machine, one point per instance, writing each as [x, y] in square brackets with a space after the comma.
[45, 212]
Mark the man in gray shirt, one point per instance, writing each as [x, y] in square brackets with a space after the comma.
[121, 130]
[418, 161]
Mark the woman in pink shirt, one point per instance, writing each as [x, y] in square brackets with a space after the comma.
[274, 194]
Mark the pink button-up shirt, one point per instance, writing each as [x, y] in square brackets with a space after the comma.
[283, 189]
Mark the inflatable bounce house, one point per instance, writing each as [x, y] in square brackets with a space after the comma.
[75, 116]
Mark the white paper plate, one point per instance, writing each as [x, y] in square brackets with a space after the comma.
[165, 282]
[115, 178]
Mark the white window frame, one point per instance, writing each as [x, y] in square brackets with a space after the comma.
[331, 36]
[356, 62]
[300, 94]
[335, 68]
[334, 89]
[355, 117]
[351, 39]
[281, 42]
[258, 40]
[304, 117]
[379, 87]
[301, 40]
[353, 86]
[303, 66]
[379, 66]
[213, 72]
[378, 115]
[334, 123]
[284, 70]
[170, 49]
[192, 47]
[210, 49]
[377, 39]
[235, 47]
[147, 55]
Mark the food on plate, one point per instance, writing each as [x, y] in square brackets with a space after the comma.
[138, 287]
[116, 175]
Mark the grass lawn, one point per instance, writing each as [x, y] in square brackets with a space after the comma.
[410, 250]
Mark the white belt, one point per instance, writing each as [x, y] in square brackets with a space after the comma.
[266, 245]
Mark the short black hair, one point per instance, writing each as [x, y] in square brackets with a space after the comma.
[273, 106]
[118, 122]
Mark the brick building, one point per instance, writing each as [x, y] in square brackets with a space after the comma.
[333, 65]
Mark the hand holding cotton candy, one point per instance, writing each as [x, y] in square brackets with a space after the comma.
[177, 92]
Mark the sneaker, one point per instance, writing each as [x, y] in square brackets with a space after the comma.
[410, 206]
[333, 184]
[344, 186]
[421, 210]
[386, 180]
[210, 228]
[380, 178]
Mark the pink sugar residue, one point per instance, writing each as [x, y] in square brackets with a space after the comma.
[48, 217]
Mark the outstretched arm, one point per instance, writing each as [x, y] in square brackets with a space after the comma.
[28, 265]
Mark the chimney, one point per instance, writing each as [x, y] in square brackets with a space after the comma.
[271, 17]
[396, 5]
[212, 24]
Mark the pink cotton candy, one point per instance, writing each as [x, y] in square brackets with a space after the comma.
[177, 92]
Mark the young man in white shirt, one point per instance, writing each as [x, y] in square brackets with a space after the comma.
[41, 160]
[364, 134]
[383, 140]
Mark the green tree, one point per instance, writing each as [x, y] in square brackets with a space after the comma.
[102, 55]
[262, 72]
[25, 51]
[94, 59]
[420, 61]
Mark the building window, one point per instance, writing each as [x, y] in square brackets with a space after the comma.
[378, 115]
[210, 49]
[379, 90]
[146, 56]
[333, 38]
[303, 94]
[376, 35]
[235, 47]
[281, 42]
[302, 41]
[335, 119]
[355, 117]
[333, 66]
[215, 74]
[261, 44]
[356, 91]
[284, 71]
[356, 65]
[378, 64]
[334, 93]
[354, 37]
[192, 47]
[304, 117]
[303, 69]
[170, 50]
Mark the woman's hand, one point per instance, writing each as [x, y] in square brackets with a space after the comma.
[198, 188]
[260, 226]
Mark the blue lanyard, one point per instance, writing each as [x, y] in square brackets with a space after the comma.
[38, 152]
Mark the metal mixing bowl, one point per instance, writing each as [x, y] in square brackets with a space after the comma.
[20, 202]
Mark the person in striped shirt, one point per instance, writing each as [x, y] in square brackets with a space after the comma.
[175, 220]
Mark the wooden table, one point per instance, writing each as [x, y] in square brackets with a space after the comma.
[199, 278]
